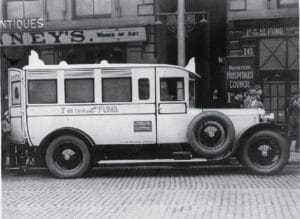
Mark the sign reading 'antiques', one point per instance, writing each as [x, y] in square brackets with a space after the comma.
[73, 37]
[21, 24]
[239, 73]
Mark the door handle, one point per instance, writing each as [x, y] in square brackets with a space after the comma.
[159, 108]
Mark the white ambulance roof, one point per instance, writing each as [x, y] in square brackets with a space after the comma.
[37, 64]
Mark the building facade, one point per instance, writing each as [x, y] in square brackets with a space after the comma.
[263, 49]
[76, 31]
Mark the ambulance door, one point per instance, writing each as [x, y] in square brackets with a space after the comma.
[172, 97]
[16, 93]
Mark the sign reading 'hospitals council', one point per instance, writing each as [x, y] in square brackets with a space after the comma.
[73, 36]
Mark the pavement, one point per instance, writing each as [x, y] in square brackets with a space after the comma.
[220, 191]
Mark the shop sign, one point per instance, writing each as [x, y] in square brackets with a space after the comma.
[21, 24]
[239, 73]
[73, 37]
[271, 31]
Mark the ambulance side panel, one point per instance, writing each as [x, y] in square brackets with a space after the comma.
[105, 122]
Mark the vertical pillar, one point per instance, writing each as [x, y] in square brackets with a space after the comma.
[181, 33]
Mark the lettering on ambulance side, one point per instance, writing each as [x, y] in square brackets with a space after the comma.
[90, 110]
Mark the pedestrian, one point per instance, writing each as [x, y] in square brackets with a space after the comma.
[293, 125]
[259, 92]
[252, 101]
[237, 101]
[215, 102]
[5, 140]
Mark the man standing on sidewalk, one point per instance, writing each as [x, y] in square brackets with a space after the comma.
[293, 126]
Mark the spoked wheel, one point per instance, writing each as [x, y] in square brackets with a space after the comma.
[68, 157]
[265, 152]
[211, 135]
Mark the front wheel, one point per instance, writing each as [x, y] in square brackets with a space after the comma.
[265, 152]
[68, 157]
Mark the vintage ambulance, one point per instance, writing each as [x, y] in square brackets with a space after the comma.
[72, 117]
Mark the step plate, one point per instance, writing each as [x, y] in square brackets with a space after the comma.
[196, 160]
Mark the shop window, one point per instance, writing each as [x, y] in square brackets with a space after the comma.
[16, 93]
[42, 91]
[236, 5]
[294, 87]
[171, 89]
[287, 3]
[20, 9]
[144, 90]
[79, 90]
[56, 10]
[275, 99]
[48, 56]
[93, 8]
[116, 90]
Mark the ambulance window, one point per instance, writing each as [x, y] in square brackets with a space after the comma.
[42, 91]
[15, 93]
[79, 90]
[172, 89]
[192, 97]
[144, 92]
[116, 89]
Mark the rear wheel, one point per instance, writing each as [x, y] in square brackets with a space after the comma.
[265, 152]
[68, 157]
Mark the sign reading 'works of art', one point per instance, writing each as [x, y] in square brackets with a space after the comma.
[239, 73]
[73, 37]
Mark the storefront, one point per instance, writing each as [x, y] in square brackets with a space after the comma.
[274, 46]
[116, 45]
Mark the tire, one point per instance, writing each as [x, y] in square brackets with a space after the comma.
[68, 157]
[265, 152]
[211, 134]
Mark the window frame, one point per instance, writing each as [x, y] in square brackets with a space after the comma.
[192, 103]
[56, 91]
[75, 16]
[5, 14]
[184, 92]
[78, 79]
[12, 93]
[47, 12]
[139, 96]
[241, 9]
[290, 5]
[102, 90]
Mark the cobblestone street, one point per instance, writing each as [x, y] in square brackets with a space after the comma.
[153, 192]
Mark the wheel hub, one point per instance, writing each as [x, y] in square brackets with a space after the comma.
[264, 149]
[67, 154]
[211, 131]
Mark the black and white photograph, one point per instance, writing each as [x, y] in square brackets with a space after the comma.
[149, 109]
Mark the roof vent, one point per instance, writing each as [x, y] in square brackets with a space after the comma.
[34, 60]
[104, 62]
[63, 63]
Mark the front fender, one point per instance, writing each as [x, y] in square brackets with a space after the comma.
[246, 133]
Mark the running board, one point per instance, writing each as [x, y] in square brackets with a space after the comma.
[151, 161]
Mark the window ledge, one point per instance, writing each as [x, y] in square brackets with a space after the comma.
[263, 14]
